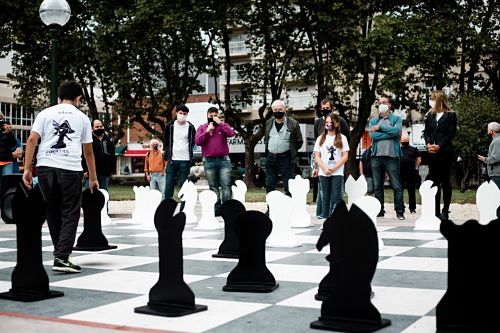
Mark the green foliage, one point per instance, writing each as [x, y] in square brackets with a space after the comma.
[474, 112]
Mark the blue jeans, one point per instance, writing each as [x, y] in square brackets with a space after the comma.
[157, 182]
[62, 192]
[179, 169]
[278, 164]
[496, 180]
[218, 172]
[103, 182]
[319, 203]
[381, 165]
[8, 169]
[331, 188]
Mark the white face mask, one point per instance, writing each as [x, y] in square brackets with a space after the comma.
[382, 108]
[182, 118]
[432, 103]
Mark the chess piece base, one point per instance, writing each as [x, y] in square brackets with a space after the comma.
[250, 288]
[169, 311]
[94, 247]
[349, 324]
[226, 255]
[30, 295]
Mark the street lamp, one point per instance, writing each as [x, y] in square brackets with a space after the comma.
[54, 14]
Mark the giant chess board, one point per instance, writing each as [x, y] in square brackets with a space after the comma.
[410, 279]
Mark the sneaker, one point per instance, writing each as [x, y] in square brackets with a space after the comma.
[381, 214]
[413, 211]
[400, 216]
[66, 266]
[319, 217]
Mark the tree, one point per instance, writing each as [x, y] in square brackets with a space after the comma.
[474, 112]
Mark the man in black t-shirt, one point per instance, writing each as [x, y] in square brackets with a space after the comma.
[409, 163]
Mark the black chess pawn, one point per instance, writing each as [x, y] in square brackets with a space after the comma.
[230, 247]
[170, 296]
[251, 273]
[29, 278]
[92, 238]
[354, 254]
[473, 289]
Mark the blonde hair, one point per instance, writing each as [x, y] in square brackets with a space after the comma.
[338, 136]
[441, 101]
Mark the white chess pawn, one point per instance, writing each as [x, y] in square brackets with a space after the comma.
[371, 207]
[105, 219]
[189, 194]
[487, 201]
[299, 187]
[428, 219]
[355, 189]
[239, 191]
[154, 198]
[208, 221]
[140, 204]
[281, 215]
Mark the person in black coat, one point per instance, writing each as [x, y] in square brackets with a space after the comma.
[440, 129]
[104, 154]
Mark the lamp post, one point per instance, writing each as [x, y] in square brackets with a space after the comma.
[54, 14]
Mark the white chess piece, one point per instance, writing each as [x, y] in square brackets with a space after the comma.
[141, 205]
[355, 189]
[299, 187]
[208, 221]
[154, 198]
[281, 214]
[239, 191]
[428, 219]
[487, 202]
[189, 194]
[105, 219]
[371, 207]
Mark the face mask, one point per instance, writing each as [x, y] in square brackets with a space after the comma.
[99, 131]
[155, 147]
[405, 144]
[382, 108]
[326, 112]
[432, 103]
[329, 127]
[182, 118]
[279, 115]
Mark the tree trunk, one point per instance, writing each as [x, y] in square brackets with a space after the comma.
[249, 162]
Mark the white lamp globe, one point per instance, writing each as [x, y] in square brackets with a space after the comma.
[55, 12]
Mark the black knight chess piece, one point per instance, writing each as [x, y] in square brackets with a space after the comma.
[473, 279]
[230, 247]
[251, 273]
[92, 238]
[170, 296]
[29, 279]
[353, 258]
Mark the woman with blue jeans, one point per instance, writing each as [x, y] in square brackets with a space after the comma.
[331, 154]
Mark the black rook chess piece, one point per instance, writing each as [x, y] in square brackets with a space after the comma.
[473, 279]
[230, 247]
[92, 238]
[251, 273]
[170, 296]
[353, 258]
[29, 278]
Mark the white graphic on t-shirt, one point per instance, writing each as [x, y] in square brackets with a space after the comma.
[62, 130]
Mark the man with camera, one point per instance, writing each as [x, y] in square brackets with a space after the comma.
[212, 138]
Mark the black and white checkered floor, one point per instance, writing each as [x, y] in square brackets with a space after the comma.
[410, 280]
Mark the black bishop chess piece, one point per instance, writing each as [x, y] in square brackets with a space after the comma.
[251, 273]
[353, 259]
[170, 296]
[230, 246]
[92, 238]
[29, 279]
[468, 304]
